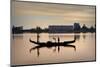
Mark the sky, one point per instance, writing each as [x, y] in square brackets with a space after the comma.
[33, 14]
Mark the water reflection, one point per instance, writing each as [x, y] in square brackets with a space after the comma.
[15, 36]
[49, 47]
[77, 37]
[24, 52]
[84, 36]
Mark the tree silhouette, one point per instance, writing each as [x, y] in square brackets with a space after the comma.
[84, 29]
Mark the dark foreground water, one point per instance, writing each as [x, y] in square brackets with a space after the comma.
[22, 52]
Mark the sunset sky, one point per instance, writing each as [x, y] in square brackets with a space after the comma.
[32, 14]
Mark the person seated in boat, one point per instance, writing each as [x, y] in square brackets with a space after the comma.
[54, 39]
[49, 42]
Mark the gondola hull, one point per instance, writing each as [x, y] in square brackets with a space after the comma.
[49, 43]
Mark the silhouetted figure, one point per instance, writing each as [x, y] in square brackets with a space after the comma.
[38, 32]
[38, 37]
[58, 40]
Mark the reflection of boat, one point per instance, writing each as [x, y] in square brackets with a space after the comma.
[49, 43]
[37, 47]
[50, 46]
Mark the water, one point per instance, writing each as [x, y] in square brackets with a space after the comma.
[22, 52]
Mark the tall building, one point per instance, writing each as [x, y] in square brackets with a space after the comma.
[61, 29]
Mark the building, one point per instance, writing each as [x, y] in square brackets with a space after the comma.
[16, 30]
[61, 29]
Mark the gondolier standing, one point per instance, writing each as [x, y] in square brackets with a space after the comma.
[38, 37]
[58, 40]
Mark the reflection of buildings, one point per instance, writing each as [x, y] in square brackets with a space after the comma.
[61, 29]
[77, 36]
[84, 36]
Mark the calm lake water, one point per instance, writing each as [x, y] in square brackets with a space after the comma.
[22, 52]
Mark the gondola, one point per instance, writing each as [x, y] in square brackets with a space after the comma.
[50, 43]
